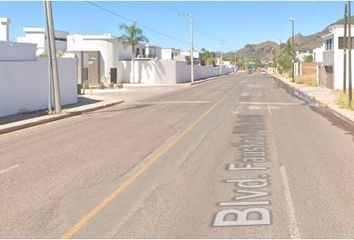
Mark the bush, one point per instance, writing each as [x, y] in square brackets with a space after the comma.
[343, 101]
[101, 86]
[309, 80]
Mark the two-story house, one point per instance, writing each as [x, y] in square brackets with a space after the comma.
[330, 74]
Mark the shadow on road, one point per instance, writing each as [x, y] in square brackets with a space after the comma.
[82, 101]
[335, 120]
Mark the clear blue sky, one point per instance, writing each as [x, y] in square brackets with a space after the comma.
[238, 23]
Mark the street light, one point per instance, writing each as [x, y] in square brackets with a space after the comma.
[293, 49]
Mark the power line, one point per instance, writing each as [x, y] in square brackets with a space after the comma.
[309, 13]
[141, 25]
[201, 30]
[206, 32]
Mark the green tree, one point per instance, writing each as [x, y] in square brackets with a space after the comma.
[132, 36]
[285, 58]
[241, 63]
[207, 58]
[308, 58]
[274, 58]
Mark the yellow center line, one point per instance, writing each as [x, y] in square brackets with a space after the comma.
[154, 158]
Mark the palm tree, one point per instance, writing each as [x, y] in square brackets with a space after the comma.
[132, 36]
[207, 57]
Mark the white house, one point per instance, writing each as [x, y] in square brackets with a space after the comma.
[188, 54]
[170, 53]
[4, 29]
[147, 51]
[98, 55]
[38, 36]
[14, 51]
[25, 77]
[318, 54]
[301, 56]
[125, 51]
[331, 75]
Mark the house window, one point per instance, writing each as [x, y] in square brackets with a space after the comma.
[329, 44]
[341, 42]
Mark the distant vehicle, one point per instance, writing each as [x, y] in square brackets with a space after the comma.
[264, 72]
[250, 71]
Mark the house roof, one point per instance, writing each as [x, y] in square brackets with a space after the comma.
[106, 36]
[40, 30]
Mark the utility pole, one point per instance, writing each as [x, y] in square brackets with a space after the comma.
[293, 49]
[220, 62]
[53, 56]
[235, 61]
[49, 55]
[345, 43]
[350, 52]
[192, 46]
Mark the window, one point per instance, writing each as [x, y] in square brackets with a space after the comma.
[341, 42]
[329, 44]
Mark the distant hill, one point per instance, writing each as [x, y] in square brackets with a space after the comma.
[263, 51]
[251, 52]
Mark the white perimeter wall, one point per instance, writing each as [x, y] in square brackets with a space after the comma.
[14, 51]
[164, 72]
[25, 85]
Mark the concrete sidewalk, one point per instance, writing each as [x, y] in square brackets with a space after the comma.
[100, 98]
[85, 103]
[325, 97]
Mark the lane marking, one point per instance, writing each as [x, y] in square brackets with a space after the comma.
[268, 108]
[9, 169]
[154, 109]
[237, 110]
[294, 229]
[175, 102]
[154, 158]
[271, 103]
[245, 94]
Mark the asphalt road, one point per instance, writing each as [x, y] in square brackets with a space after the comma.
[236, 157]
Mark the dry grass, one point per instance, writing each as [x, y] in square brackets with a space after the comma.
[343, 101]
[309, 80]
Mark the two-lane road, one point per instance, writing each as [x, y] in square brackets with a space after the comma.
[236, 157]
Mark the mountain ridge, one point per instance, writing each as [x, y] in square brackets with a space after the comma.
[263, 51]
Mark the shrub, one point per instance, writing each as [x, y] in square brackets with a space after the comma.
[309, 80]
[101, 86]
[343, 101]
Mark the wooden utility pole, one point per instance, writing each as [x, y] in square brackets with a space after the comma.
[345, 43]
[53, 55]
[350, 52]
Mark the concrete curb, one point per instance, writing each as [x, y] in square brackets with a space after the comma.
[209, 79]
[323, 105]
[55, 118]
